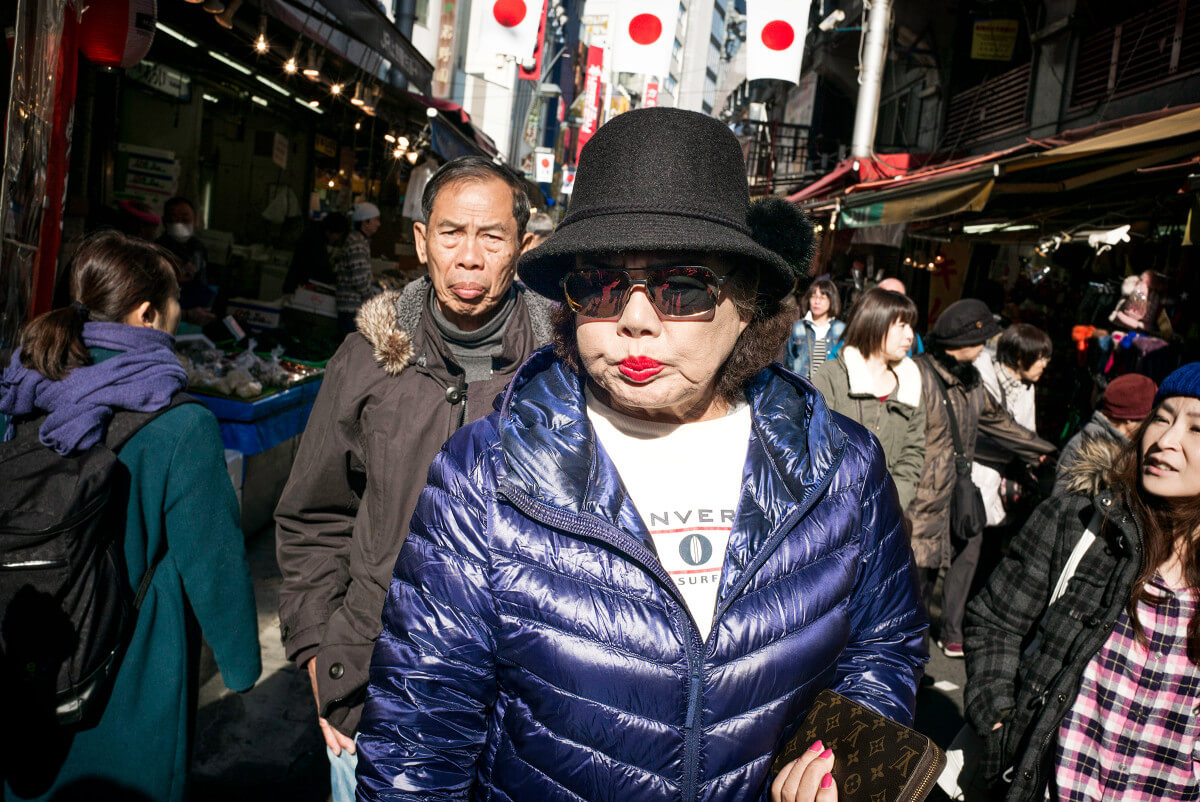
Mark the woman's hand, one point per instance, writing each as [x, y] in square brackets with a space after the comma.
[807, 778]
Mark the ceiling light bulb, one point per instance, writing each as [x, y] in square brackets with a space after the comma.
[412, 157]
[331, 183]
[312, 66]
[403, 142]
[336, 89]
[389, 137]
[358, 126]
[397, 153]
[260, 44]
[289, 66]
[358, 100]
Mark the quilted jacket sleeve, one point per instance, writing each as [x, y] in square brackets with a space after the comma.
[433, 674]
[884, 660]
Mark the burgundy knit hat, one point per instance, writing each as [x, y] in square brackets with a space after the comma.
[1128, 397]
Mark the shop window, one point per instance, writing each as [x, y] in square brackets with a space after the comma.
[671, 84]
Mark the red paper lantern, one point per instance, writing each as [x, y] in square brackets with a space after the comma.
[117, 33]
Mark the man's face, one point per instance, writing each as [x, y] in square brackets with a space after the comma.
[470, 245]
[179, 213]
[369, 227]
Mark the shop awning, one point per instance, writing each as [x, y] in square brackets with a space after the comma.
[969, 185]
[365, 21]
[925, 205]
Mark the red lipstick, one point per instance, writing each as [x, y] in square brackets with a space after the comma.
[640, 368]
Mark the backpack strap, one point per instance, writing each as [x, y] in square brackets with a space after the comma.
[1081, 547]
[123, 426]
[125, 423]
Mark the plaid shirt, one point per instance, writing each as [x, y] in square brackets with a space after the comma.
[1132, 730]
[354, 273]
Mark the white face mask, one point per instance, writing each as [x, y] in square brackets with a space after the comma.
[180, 231]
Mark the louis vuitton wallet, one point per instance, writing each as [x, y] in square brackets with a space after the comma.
[875, 759]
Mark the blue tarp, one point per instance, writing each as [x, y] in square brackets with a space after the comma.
[253, 427]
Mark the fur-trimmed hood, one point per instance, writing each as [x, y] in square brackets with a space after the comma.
[908, 377]
[389, 322]
[1091, 469]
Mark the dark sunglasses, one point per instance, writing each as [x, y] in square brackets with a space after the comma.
[675, 290]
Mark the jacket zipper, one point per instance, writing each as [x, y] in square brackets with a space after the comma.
[696, 651]
[584, 527]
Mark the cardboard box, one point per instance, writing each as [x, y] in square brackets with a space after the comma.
[256, 314]
[311, 298]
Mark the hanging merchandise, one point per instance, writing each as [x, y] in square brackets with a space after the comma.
[642, 36]
[507, 28]
[775, 31]
[117, 33]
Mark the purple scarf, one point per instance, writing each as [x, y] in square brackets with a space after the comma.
[143, 378]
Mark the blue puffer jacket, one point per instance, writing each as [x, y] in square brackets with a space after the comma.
[800, 345]
[533, 647]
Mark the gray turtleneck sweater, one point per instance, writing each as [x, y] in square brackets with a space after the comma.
[474, 350]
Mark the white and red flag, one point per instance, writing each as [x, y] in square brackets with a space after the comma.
[775, 31]
[507, 27]
[543, 166]
[642, 33]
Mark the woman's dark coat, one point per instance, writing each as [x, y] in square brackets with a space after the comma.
[975, 411]
[533, 647]
[1024, 661]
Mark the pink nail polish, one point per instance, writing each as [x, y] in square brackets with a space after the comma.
[826, 753]
[827, 781]
[816, 747]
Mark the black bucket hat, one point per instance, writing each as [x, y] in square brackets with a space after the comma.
[964, 324]
[664, 179]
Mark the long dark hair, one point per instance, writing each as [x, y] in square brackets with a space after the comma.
[1164, 523]
[872, 315]
[112, 275]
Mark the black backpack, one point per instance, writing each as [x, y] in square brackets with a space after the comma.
[66, 609]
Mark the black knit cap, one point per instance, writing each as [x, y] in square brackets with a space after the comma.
[964, 324]
[661, 179]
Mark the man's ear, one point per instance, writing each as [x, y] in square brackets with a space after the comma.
[526, 239]
[419, 240]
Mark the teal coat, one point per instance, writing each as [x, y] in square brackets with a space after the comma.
[181, 499]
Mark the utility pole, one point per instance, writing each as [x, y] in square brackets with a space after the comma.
[870, 81]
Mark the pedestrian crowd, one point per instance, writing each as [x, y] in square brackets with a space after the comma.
[561, 525]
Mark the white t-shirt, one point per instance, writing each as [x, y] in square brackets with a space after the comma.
[684, 480]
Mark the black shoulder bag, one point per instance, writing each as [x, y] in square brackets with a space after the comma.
[967, 514]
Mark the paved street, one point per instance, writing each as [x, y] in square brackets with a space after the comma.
[264, 744]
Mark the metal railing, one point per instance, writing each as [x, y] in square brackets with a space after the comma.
[777, 155]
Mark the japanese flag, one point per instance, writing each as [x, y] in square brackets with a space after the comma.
[507, 27]
[568, 180]
[643, 32]
[775, 31]
[543, 167]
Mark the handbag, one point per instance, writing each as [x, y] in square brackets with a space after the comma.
[968, 516]
[875, 759]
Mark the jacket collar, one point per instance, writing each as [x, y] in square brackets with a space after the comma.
[397, 326]
[551, 453]
[908, 377]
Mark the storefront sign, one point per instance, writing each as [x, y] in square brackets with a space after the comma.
[325, 145]
[994, 39]
[279, 153]
[443, 64]
[568, 180]
[801, 100]
[650, 94]
[543, 169]
[164, 79]
[148, 175]
[592, 92]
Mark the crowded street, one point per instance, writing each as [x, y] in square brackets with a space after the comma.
[600, 401]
